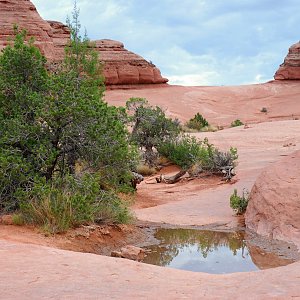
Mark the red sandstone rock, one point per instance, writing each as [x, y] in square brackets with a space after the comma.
[130, 252]
[121, 67]
[290, 69]
[274, 206]
[124, 67]
[24, 14]
[60, 36]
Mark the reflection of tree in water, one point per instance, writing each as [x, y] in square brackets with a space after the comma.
[173, 241]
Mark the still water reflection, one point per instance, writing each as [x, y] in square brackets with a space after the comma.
[201, 251]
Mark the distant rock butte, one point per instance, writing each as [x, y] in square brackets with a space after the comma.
[290, 69]
[121, 67]
[274, 206]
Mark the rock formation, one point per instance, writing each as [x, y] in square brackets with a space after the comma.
[24, 14]
[290, 69]
[124, 67]
[274, 206]
[121, 67]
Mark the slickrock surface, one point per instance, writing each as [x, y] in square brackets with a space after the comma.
[121, 67]
[258, 147]
[274, 207]
[221, 105]
[35, 272]
[290, 69]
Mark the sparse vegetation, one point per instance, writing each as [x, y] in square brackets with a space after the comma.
[237, 123]
[239, 203]
[198, 123]
[264, 110]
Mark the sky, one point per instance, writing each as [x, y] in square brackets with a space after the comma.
[193, 42]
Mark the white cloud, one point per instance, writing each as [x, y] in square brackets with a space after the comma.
[194, 42]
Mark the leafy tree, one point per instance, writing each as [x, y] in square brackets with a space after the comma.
[54, 124]
[150, 127]
[23, 148]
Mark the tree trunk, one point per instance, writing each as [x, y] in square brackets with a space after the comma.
[171, 179]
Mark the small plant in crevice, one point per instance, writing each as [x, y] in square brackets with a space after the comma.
[239, 203]
[236, 123]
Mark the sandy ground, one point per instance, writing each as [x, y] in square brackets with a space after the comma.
[37, 272]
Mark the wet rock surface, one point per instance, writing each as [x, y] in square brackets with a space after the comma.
[130, 252]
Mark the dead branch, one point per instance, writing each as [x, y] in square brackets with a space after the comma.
[170, 179]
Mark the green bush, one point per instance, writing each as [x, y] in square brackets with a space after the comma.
[150, 127]
[186, 151]
[49, 121]
[237, 123]
[198, 122]
[239, 203]
[70, 202]
[224, 159]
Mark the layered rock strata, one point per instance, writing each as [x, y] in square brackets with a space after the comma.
[121, 67]
[274, 206]
[124, 67]
[24, 14]
[290, 69]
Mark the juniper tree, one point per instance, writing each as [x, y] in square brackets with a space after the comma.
[51, 121]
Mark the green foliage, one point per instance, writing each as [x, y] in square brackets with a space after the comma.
[187, 151]
[51, 122]
[69, 202]
[150, 127]
[239, 203]
[236, 123]
[198, 122]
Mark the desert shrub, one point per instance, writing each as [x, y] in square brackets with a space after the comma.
[150, 127]
[237, 123]
[69, 202]
[239, 203]
[186, 151]
[198, 122]
[264, 110]
[224, 159]
[145, 170]
[17, 219]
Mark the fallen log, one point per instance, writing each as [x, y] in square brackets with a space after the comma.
[170, 179]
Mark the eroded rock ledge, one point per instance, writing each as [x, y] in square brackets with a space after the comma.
[290, 69]
[274, 206]
[121, 67]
